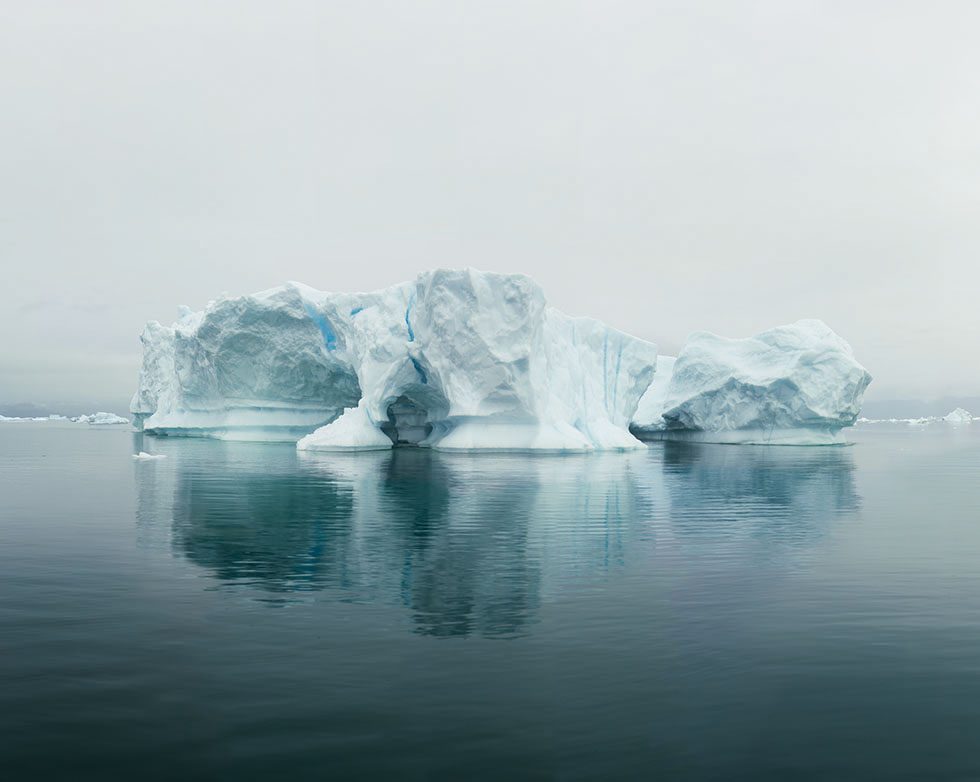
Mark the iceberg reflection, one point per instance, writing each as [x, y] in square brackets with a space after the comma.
[784, 495]
[478, 543]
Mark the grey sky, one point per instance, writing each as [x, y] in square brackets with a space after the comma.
[666, 167]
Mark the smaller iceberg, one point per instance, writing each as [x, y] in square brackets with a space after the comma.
[143, 456]
[958, 416]
[792, 385]
[100, 419]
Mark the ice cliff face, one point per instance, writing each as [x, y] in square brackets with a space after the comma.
[796, 384]
[457, 359]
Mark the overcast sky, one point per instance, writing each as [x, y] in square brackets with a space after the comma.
[667, 167]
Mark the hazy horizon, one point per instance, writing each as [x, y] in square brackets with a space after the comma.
[664, 167]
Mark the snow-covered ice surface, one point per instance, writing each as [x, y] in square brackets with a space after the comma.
[793, 385]
[457, 359]
[354, 430]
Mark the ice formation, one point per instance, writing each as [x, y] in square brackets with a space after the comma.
[958, 416]
[457, 359]
[93, 418]
[795, 384]
[650, 410]
[144, 456]
[467, 360]
[100, 419]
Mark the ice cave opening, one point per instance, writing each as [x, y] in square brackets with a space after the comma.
[408, 421]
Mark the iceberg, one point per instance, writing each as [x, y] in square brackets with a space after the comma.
[455, 360]
[100, 419]
[958, 416]
[260, 367]
[143, 456]
[795, 385]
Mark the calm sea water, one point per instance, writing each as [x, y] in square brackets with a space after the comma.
[237, 611]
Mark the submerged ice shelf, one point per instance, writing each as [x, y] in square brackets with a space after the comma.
[468, 360]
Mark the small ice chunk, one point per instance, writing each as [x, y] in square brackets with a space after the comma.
[144, 456]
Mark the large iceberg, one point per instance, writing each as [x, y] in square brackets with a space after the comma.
[795, 384]
[260, 367]
[456, 360]
[467, 360]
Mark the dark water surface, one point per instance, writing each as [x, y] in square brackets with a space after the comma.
[237, 611]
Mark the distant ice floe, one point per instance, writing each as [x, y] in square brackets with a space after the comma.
[144, 456]
[957, 416]
[96, 419]
[4, 419]
[101, 419]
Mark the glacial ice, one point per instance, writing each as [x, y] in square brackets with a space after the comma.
[261, 367]
[455, 360]
[650, 410]
[93, 418]
[921, 421]
[958, 416]
[798, 384]
[468, 360]
[955, 417]
[143, 456]
[100, 419]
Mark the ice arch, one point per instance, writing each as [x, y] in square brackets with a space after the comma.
[413, 416]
